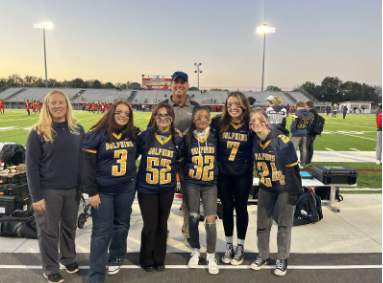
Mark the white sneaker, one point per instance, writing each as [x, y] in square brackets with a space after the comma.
[300, 166]
[114, 269]
[378, 162]
[212, 264]
[194, 258]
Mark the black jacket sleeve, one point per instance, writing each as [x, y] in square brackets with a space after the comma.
[294, 184]
[33, 155]
[88, 173]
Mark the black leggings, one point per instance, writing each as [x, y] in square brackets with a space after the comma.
[234, 192]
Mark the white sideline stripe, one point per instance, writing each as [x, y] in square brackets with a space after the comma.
[304, 267]
[359, 189]
[329, 149]
[354, 149]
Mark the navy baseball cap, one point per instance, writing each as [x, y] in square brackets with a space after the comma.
[180, 74]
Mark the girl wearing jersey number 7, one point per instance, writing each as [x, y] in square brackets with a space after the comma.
[235, 171]
[280, 184]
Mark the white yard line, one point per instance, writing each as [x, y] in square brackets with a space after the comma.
[329, 149]
[354, 149]
[355, 136]
[302, 267]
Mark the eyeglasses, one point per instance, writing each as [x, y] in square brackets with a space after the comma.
[127, 114]
[160, 116]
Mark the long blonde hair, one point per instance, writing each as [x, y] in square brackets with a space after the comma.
[44, 126]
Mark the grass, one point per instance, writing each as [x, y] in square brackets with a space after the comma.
[356, 132]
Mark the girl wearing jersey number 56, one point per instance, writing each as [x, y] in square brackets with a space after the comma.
[280, 183]
[235, 171]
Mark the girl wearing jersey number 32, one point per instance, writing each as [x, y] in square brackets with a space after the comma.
[235, 171]
[280, 184]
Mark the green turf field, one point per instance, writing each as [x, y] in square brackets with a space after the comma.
[357, 132]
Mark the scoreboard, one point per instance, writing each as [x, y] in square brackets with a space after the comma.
[156, 82]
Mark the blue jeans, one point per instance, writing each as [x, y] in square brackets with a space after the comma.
[111, 223]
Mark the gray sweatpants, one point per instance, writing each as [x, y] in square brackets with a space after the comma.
[57, 227]
[266, 203]
[302, 143]
[208, 194]
[379, 145]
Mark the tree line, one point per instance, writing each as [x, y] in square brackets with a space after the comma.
[16, 80]
[334, 90]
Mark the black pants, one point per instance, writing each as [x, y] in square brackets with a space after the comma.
[344, 115]
[155, 209]
[310, 148]
[234, 193]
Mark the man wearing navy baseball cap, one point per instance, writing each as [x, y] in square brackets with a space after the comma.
[183, 109]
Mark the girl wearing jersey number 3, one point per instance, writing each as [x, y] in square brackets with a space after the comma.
[235, 171]
[280, 184]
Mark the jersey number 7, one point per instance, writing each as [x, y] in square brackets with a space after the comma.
[234, 146]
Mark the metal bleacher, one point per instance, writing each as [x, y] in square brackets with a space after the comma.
[9, 92]
[103, 95]
[39, 93]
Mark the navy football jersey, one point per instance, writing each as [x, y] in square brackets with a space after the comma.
[234, 148]
[201, 161]
[271, 159]
[116, 164]
[157, 171]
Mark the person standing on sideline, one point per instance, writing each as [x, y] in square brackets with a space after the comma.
[334, 111]
[159, 147]
[310, 135]
[301, 122]
[183, 108]
[235, 171]
[109, 178]
[328, 109]
[280, 184]
[52, 166]
[28, 107]
[1, 105]
[200, 151]
[277, 113]
[379, 135]
[345, 109]
[269, 101]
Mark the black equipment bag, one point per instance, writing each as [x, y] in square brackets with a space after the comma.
[317, 125]
[308, 209]
[19, 225]
[324, 193]
[339, 174]
[12, 154]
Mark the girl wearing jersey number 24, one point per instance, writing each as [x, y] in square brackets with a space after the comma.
[109, 177]
[200, 175]
[280, 184]
[235, 171]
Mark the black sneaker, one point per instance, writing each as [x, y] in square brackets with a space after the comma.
[54, 278]
[238, 256]
[71, 268]
[229, 254]
[281, 267]
[258, 263]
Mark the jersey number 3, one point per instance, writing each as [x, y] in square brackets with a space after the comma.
[119, 170]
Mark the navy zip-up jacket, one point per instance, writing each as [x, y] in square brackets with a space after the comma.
[53, 166]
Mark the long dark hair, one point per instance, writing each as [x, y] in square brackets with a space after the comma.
[224, 123]
[109, 125]
[189, 134]
[169, 111]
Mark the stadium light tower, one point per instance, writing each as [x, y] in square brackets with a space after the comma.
[198, 71]
[265, 30]
[44, 26]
